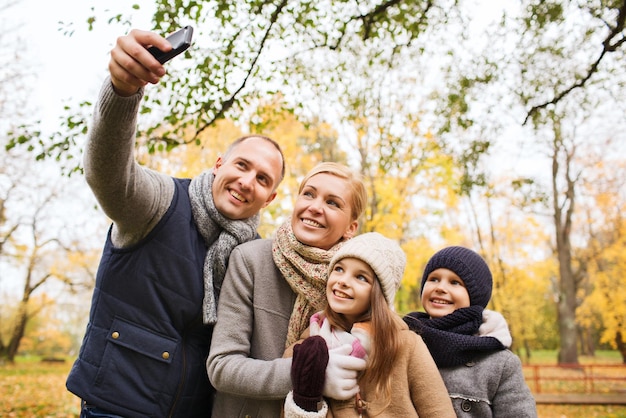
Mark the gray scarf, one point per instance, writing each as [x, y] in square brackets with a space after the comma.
[221, 235]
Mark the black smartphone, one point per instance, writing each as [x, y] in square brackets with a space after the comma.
[180, 40]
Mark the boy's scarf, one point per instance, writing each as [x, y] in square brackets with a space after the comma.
[452, 339]
[305, 268]
[221, 235]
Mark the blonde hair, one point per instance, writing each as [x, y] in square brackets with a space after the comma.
[358, 192]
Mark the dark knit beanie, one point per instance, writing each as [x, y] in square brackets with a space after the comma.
[469, 266]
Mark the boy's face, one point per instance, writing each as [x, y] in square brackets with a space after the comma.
[443, 293]
[349, 287]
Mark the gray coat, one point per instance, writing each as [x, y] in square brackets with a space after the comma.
[491, 386]
[246, 363]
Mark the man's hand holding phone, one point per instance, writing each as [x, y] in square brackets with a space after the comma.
[180, 41]
[133, 63]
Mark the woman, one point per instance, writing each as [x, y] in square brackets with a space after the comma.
[265, 306]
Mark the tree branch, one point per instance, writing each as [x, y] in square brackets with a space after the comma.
[228, 103]
[608, 45]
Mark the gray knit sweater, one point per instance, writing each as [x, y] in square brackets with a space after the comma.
[134, 197]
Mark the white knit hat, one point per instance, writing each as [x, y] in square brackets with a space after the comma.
[383, 255]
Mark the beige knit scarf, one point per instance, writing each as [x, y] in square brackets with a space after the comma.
[305, 268]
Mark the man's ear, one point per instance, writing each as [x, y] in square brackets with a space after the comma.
[218, 164]
[269, 199]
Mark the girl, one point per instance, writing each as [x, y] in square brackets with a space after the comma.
[484, 378]
[401, 378]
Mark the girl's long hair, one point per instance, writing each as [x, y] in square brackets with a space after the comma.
[385, 336]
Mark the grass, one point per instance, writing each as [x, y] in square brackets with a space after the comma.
[34, 389]
[31, 388]
[550, 357]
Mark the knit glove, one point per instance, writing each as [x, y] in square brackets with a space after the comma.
[308, 369]
[342, 373]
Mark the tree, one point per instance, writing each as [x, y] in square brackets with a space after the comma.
[563, 203]
[604, 309]
[38, 246]
[402, 86]
[542, 14]
[43, 256]
[562, 60]
[244, 50]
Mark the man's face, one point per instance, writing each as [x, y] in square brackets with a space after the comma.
[245, 180]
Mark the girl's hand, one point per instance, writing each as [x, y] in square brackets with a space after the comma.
[342, 372]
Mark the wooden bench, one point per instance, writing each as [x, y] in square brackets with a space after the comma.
[581, 398]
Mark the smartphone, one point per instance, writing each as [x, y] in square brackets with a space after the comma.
[180, 40]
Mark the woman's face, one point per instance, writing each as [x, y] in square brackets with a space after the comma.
[322, 215]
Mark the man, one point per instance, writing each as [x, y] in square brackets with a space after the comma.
[154, 302]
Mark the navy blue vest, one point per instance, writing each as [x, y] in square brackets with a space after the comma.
[144, 351]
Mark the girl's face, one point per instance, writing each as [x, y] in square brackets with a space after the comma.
[443, 293]
[349, 288]
[322, 214]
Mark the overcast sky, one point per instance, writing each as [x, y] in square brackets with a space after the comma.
[66, 70]
[68, 67]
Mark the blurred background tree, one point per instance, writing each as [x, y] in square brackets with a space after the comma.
[475, 123]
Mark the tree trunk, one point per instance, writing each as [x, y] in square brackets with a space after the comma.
[17, 333]
[527, 353]
[563, 213]
[587, 341]
[568, 353]
[621, 345]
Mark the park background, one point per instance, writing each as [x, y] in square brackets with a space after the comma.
[495, 125]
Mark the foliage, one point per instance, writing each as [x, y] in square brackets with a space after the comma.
[40, 250]
[244, 50]
[43, 334]
[37, 389]
[562, 60]
[432, 115]
[606, 260]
